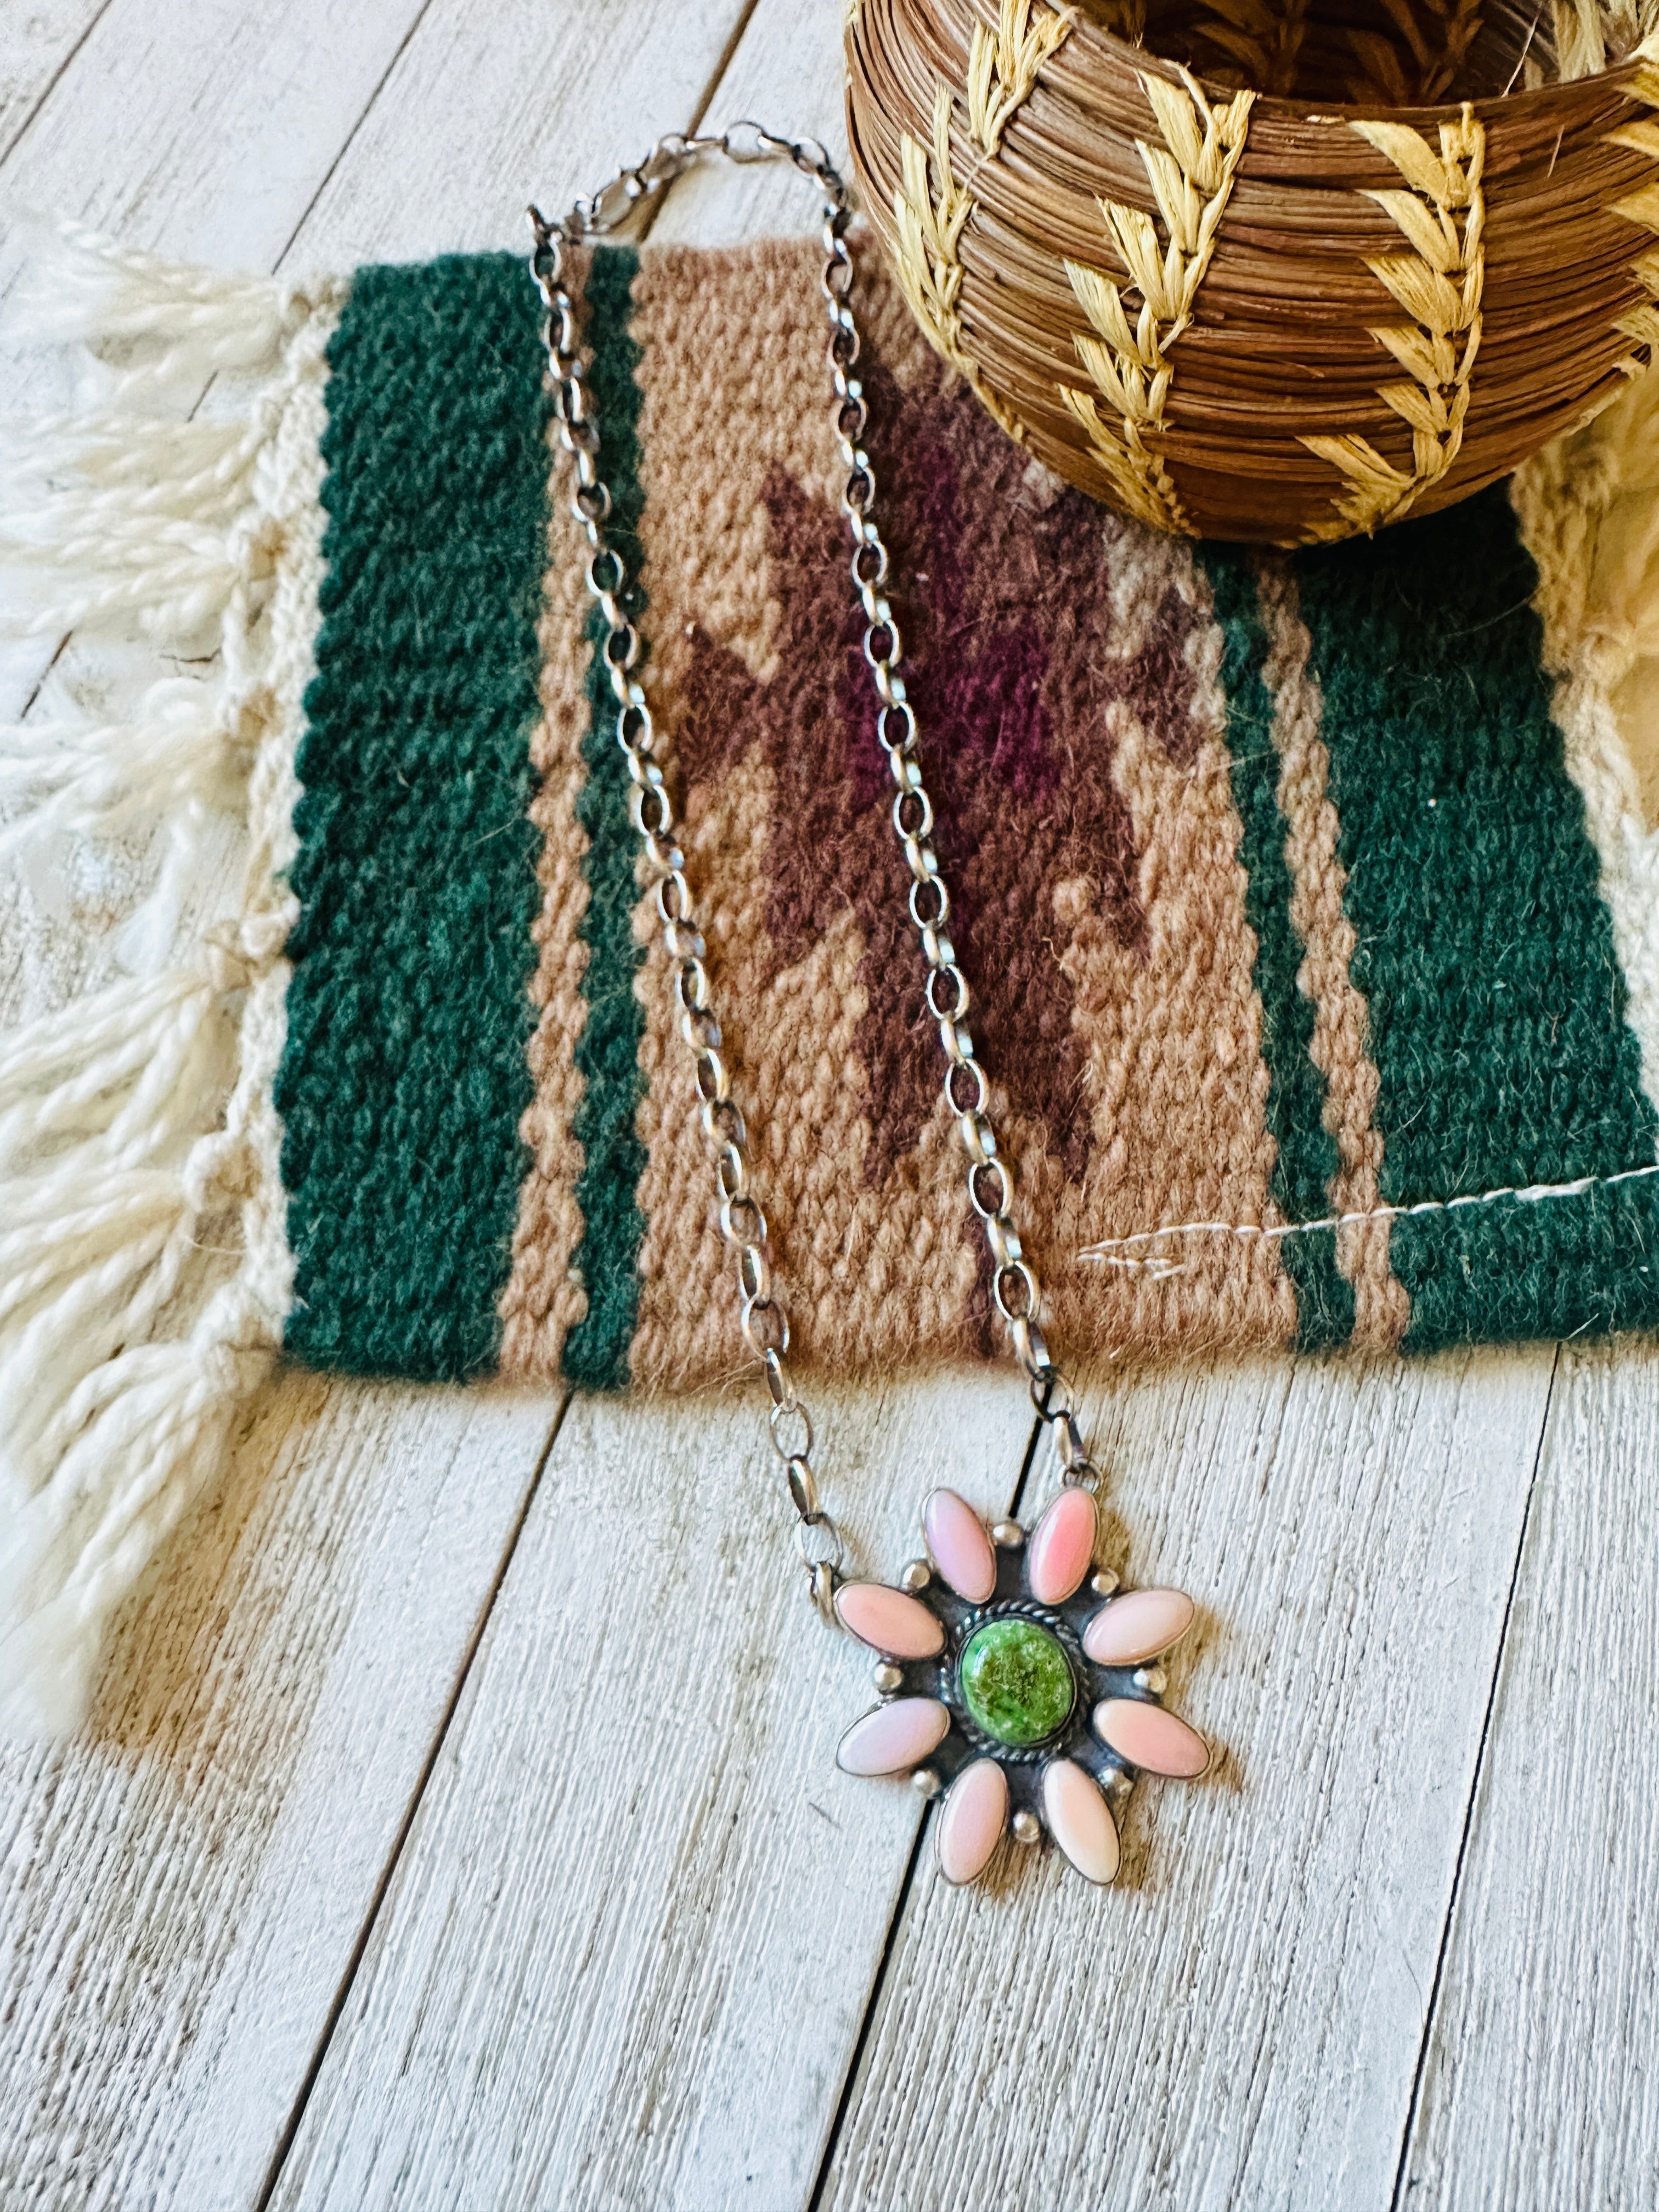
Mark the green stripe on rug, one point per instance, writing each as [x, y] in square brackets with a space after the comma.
[1485, 951]
[607, 1052]
[404, 1073]
[1307, 1158]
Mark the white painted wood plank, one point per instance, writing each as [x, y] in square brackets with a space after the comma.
[787, 75]
[1540, 2087]
[36, 41]
[627, 1949]
[497, 102]
[204, 132]
[1235, 2025]
[181, 1889]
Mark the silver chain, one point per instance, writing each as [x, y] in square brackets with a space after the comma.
[990, 1179]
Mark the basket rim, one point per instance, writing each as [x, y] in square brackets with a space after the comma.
[1088, 32]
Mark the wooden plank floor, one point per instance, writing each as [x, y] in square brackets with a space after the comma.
[457, 1825]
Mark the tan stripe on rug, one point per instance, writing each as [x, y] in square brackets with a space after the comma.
[1342, 1022]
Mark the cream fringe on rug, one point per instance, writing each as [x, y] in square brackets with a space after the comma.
[132, 1119]
[1589, 510]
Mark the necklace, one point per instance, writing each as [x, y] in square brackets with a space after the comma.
[1010, 1675]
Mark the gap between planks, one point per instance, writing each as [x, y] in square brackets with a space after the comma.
[80, 28]
[350, 138]
[1538, 2091]
[628, 1947]
[439, 1736]
[1432, 2011]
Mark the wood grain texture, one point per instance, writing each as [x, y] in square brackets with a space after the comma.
[629, 1945]
[493, 103]
[1236, 2022]
[785, 74]
[181, 1888]
[40, 38]
[1539, 2088]
[204, 132]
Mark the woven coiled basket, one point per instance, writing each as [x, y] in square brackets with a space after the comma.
[1248, 269]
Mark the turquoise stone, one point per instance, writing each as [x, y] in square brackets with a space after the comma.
[1016, 1680]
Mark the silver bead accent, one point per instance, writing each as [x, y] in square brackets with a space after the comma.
[888, 1677]
[1008, 1535]
[1026, 1827]
[1104, 1584]
[1116, 1782]
[1152, 1678]
[925, 1783]
[917, 1577]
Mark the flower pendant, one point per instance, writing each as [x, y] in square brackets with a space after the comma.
[1011, 1672]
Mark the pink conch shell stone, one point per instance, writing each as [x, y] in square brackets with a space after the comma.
[889, 1621]
[1138, 1625]
[893, 1737]
[1149, 1737]
[1062, 1546]
[960, 1549]
[1080, 1820]
[971, 1820]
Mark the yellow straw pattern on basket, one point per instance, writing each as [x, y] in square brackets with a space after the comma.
[1642, 324]
[1350, 358]
[930, 226]
[933, 210]
[1004, 64]
[1439, 285]
[1192, 178]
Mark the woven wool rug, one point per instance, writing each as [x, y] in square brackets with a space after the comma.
[1308, 900]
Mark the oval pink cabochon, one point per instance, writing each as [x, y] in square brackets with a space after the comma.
[1150, 1738]
[1138, 1625]
[893, 1737]
[1080, 1820]
[971, 1821]
[959, 1545]
[1061, 1547]
[889, 1621]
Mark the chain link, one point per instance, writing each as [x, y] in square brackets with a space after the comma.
[1014, 1284]
[764, 1318]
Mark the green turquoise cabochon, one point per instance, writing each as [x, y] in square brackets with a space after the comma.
[1016, 1681]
